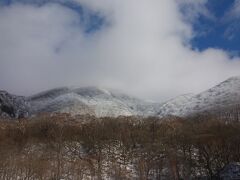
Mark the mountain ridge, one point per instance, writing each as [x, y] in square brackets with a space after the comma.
[102, 102]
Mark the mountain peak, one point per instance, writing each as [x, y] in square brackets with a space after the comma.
[97, 100]
[91, 91]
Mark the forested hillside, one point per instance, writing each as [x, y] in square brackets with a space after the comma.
[86, 147]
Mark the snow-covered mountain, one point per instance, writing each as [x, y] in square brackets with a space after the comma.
[90, 100]
[13, 106]
[104, 102]
[224, 95]
[174, 106]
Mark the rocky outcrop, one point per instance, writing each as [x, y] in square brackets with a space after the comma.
[13, 106]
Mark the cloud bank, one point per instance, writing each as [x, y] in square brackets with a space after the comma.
[143, 48]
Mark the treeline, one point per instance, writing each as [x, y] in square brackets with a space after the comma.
[84, 147]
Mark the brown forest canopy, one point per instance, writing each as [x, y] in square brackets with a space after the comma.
[60, 146]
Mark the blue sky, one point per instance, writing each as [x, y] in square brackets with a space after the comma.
[217, 32]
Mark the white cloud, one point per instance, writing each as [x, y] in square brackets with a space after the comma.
[141, 51]
[194, 9]
[234, 12]
[231, 19]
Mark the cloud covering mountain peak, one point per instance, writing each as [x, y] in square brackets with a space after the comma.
[143, 48]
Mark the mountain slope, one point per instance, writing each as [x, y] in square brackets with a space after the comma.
[174, 106]
[222, 96]
[89, 100]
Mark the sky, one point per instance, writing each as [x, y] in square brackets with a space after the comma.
[152, 49]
